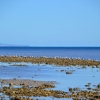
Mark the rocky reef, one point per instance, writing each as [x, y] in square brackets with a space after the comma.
[56, 61]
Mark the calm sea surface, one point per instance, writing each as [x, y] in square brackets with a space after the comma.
[82, 52]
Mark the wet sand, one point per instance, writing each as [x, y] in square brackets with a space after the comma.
[25, 82]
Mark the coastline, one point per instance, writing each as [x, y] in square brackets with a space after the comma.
[50, 61]
[23, 89]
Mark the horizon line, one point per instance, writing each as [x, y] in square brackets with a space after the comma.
[50, 46]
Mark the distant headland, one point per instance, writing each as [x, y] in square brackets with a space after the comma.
[12, 45]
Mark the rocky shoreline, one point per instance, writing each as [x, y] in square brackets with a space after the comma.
[55, 61]
[41, 88]
[25, 89]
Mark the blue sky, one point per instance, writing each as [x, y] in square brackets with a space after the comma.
[50, 22]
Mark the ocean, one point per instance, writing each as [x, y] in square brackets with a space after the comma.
[70, 52]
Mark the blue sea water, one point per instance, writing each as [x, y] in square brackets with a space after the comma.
[75, 52]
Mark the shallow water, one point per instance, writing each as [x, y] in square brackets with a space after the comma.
[80, 77]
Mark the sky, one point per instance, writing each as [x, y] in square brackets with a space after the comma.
[50, 22]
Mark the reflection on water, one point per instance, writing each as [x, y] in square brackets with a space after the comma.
[79, 78]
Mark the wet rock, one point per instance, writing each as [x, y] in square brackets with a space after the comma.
[69, 72]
